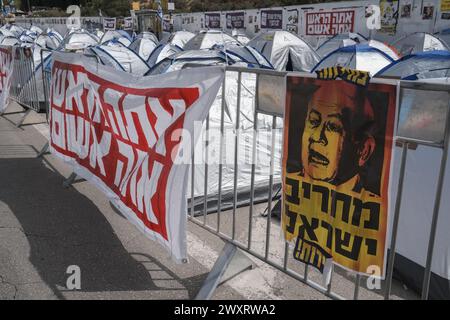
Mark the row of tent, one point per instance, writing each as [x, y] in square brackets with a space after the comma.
[416, 56]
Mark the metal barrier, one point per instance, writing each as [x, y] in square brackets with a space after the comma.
[246, 242]
[216, 222]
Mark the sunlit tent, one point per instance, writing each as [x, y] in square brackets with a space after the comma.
[48, 41]
[246, 116]
[36, 29]
[209, 39]
[338, 41]
[144, 45]
[117, 35]
[120, 57]
[55, 33]
[358, 57]
[79, 40]
[15, 29]
[240, 36]
[179, 38]
[418, 42]
[161, 52]
[422, 65]
[285, 51]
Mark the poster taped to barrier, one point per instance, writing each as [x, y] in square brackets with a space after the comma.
[123, 133]
[235, 20]
[6, 71]
[212, 20]
[109, 24]
[336, 172]
[271, 19]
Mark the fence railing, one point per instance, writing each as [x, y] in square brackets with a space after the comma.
[235, 224]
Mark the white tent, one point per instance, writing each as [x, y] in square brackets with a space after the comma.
[422, 65]
[240, 36]
[417, 42]
[338, 41]
[10, 41]
[143, 46]
[120, 57]
[247, 55]
[116, 35]
[209, 39]
[48, 41]
[79, 40]
[161, 52]
[285, 51]
[359, 57]
[179, 38]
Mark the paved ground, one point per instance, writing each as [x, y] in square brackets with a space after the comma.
[45, 228]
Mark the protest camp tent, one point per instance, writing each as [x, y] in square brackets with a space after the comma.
[179, 38]
[422, 65]
[339, 40]
[116, 35]
[78, 40]
[120, 57]
[417, 42]
[262, 168]
[285, 50]
[48, 40]
[143, 46]
[161, 52]
[9, 41]
[359, 57]
[249, 56]
[209, 39]
[444, 35]
[240, 36]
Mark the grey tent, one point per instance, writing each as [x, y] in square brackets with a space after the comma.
[417, 42]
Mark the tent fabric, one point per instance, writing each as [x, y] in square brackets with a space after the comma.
[359, 57]
[285, 51]
[112, 35]
[339, 40]
[444, 35]
[116, 55]
[417, 42]
[248, 55]
[143, 47]
[180, 38]
[161, 52]
[78, 40]
[47, 41]
[423, 65]
[209, 39]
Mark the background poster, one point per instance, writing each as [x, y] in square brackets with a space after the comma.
[427, 11]
[336, 170]
[389, 16]
[292, 21]
[212, 20]
[445, 5]
[271, 19]
[235, 20]
[405, 9]
[329, 23]
[109, 23]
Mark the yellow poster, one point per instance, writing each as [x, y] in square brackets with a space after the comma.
[336, 169]
[445, 5]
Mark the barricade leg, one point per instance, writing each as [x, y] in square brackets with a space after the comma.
[22, 119]
[70, 180]
[230, 263]
[44, 150]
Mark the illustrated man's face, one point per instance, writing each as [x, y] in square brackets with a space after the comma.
[323, 140]
[331, 150]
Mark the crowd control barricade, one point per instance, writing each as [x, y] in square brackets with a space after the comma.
[256, 231]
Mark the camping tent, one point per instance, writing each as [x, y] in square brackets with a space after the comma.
[120, 57]
[422, 65]
[111, 35]
[161, 52]
[417, 42]
[339, 40]
[240, 36]
[143, 46]
[444, 35]
[285, 51]
[248, 55]
[179, 38]
[48, 41]
[360, 57]
[209, 39]
[78, 40]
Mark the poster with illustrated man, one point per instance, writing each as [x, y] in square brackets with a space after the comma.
[336, 169]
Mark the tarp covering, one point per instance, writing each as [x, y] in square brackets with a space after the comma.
[285, 51]
[422, 65]
[417, 42]
[358, 57]
[209, 39]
